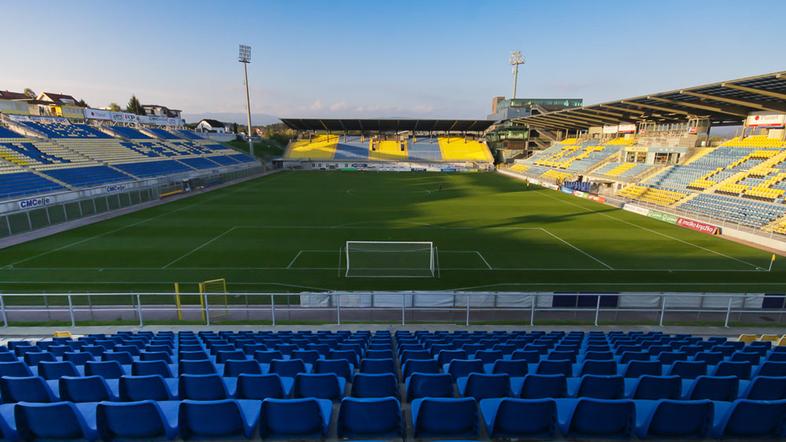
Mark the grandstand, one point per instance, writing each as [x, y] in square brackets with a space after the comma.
[361, 384]
[387, 143]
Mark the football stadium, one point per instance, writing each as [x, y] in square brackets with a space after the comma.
[357, 250]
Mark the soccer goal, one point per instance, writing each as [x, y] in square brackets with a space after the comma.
[214, 292]
[389, 259]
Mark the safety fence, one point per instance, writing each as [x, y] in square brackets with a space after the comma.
[463, 308]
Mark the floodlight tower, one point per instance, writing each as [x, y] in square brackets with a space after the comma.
[245, 58]
[515, 60]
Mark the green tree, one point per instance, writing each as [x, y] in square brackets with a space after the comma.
[29, 92]
[114, 107]
[83, 103]
[134, 106]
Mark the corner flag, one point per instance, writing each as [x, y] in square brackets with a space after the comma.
[772, 261]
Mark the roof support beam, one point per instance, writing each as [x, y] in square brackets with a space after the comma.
[602, 118]
[623, 109]
[657, 108]
[569, 121]
[598, 111]
[772, 107]
[761, 92]
[719, 109]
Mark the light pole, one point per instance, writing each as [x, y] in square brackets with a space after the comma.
[516, 59]
[245, 58]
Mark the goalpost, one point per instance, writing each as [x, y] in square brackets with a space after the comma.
[390, 259]
[214, 292]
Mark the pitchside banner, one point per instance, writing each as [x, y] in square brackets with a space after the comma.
[98, 114]
[766, 120]
[665, 217]
[636, 209]
[698, 226]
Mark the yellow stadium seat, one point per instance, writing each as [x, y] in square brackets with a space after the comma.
[770, 338]
[388, 150]
[320, 147]
[462, 149]
[746, 338]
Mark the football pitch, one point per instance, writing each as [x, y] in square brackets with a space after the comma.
[286, 232]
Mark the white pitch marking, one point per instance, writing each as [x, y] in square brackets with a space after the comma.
[291, 263]
[577, 249]
[200, 247]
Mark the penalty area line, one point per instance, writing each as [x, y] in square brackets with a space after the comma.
[577, 248]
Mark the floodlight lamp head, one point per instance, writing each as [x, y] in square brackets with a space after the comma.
[244, 54]
[516, 58]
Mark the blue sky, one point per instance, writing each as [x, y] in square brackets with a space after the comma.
[397, 58]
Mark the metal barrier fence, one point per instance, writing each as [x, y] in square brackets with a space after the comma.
[394, 308]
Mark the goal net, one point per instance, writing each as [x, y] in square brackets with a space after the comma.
[214, 293]
[389, 259]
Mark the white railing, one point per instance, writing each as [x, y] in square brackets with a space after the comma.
[391, 307]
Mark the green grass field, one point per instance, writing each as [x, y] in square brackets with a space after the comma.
[284, 232]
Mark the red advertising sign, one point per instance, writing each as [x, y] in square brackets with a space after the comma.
[698, 226]
[597, 198]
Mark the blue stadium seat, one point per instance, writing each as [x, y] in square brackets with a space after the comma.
[419, 366]
[146, 355]
[369, 385]
[153, 168]
[657, 387]
[377, 366]
[287, 367]
[519, 418]
[196, 366]
[141, 388]
[746, 419]
[460, 368]
[105, 369]
[295, 418]
[429, 385]
[740, 369]
[340, 367]
[539, 386]
[147, 368]
[370, 418]
[262, 386]
[55, 370]
[587, 417]
[85, 389]
[484, 386]
[235, 368]
[319, 385]
[601, 387]
[714, 388]
[674, 419]
[488, 356]
[635, 369]
[87, 176]
[444, 417]
[27, 389]
[765, 388]
[217, 419]
[137, 420]
[202, 387]
[53, 421]
[512, 367]
[688, 369]
[16, 368]
[25, 183]
[563, 367]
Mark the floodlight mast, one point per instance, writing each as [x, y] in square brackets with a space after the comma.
[244, 57]
[515, 60]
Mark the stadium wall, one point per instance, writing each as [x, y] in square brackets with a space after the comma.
[385, 166]
[32, 218]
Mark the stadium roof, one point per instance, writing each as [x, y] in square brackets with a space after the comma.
[386, 125]
[724, 103]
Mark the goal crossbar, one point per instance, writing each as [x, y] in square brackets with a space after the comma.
[389, 259]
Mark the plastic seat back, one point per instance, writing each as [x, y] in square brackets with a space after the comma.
[459, 368]
[196, 366]
[34, 357]
[519, 418]
[486, 386]
[601, 387]
[56, 370]
[234, 367]
[772, 368]
[84, 389]
[26, 388]
[202, 387]
[444, 417]
[340, 367]
[678, 419]
[765, 388]
[539, 386]
[259, 386]
[147, 368]
[318, 385]
[689, 369]
[740, 369]
[140, 388]
[511, 367]
[212, 419]
[230, 355]
[377, 366]
[105, 369]
[752, 419]
[658, 387]
[291, 418]
[369, 417]
[429, 385]
[134, 420]
[489, 356]
[123, 357]
[562, 367]
[714, 388]
[531, 356]
[287, 367]
[420, 366]
[603, 368]
[370, 385]
[56, 420]
[601, 418]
